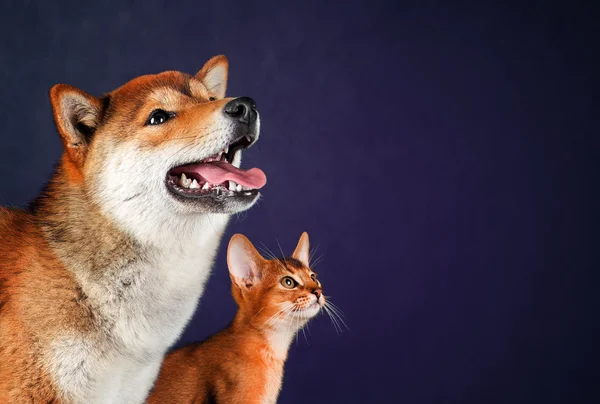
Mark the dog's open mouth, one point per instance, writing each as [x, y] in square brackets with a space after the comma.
[217, 176]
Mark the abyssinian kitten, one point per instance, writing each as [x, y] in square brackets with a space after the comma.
[244, 362]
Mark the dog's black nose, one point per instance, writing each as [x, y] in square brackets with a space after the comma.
[243, 109]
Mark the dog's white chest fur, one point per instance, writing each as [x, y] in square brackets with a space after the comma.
[145, 307]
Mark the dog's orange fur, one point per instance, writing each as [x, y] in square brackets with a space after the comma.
[42, 248]
[241, 364]
[34, 282]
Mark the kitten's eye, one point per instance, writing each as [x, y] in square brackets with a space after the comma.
[288, 282]
[158, 116]
[212, 99]
[313, 277]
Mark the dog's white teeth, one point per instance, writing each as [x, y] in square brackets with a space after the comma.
[238, 188]
[232, 185]
[249, 139]
[184, 181]
[226, 150]
[195, 185]
[206, 186]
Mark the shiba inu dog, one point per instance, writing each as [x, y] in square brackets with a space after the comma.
[99, 277]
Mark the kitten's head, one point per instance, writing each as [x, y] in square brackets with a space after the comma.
[274, 292]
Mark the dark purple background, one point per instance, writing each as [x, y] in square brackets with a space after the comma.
[443, 158]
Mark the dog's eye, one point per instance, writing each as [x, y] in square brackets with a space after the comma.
[158, 116]
[288, 282]
[212, 99]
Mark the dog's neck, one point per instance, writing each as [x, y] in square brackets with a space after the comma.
[97, 250]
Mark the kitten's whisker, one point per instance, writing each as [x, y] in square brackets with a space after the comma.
[317, 261]
[334, 308]
[273, 257]
[333, 318]
[297, 322]
[261, 309]
[281, 311]
[308, 328]
[311, 255]
[334, 305]
[280, 249]
[292, 308]
[333, 321]
[283, 315]
[304, 332]
[280, 263]
[336, 313]
[267, 252]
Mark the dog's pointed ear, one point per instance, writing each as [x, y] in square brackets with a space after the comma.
[302, 251]
[77, 115]
[244, 262]
[214, 75]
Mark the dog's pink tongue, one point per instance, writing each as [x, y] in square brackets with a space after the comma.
[217, 172]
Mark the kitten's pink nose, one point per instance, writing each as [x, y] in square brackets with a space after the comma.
[318, 293]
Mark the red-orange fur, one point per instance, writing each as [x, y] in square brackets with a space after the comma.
[235, 365]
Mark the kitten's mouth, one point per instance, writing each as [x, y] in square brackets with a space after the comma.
[217, 176]
[311, 310]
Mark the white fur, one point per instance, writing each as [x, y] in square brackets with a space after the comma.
[272, 386]
[118, 364]
[280, 336]
[121, 367]
[282, 330]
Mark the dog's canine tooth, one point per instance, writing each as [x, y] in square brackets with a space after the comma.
[194, 184]
[206, 186]
[226, 150]
[185, 181]
[238, 188]
[232, 185]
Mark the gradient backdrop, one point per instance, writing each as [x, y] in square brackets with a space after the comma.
[444, 159]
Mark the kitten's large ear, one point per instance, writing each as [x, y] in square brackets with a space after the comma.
[214, 75]
[77, 115]
[244, 262]
[301, 253]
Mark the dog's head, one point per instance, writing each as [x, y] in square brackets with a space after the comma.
[161, 145]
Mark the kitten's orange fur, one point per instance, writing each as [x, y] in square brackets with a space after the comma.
[244, 362]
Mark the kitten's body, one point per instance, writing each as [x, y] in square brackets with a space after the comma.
[237, 365]
[244, 363]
